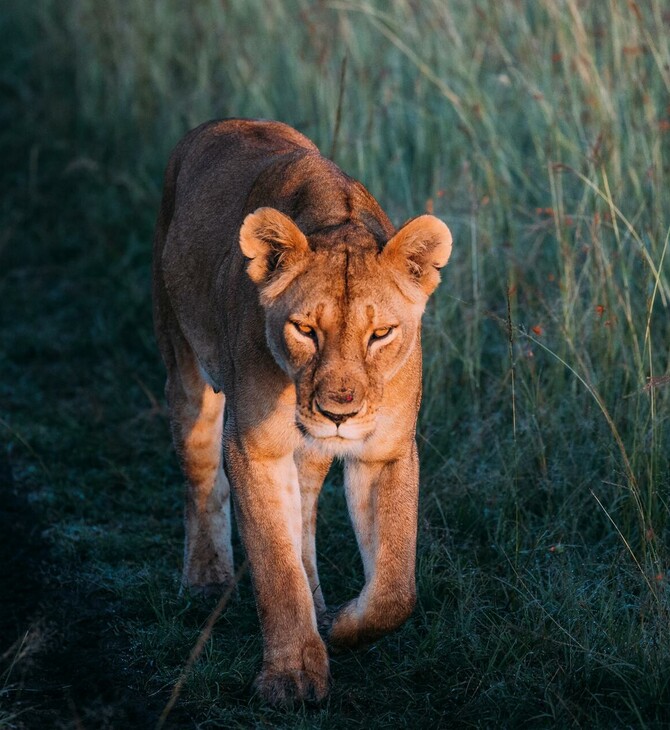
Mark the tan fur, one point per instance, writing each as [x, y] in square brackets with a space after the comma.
[272, 272]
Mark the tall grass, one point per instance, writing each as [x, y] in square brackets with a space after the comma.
[540, 131]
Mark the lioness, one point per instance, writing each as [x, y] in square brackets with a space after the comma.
[283, 292]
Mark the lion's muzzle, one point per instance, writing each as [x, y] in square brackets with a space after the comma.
[339, 394]
[339, 427]
[336, 418]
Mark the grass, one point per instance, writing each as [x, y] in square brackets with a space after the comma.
[540, 132]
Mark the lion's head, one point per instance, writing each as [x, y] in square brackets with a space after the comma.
[342, 316]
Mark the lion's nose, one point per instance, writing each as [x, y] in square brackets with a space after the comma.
[336, 418]
[339, 396]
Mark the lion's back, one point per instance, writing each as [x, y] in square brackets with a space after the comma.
[241, 147]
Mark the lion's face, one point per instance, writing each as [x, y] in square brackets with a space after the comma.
[341, 317]
[341, 330]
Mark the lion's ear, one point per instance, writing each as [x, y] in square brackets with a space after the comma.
[272, 242]
[422, 247]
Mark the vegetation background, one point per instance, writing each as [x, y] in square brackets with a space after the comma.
[540, 131]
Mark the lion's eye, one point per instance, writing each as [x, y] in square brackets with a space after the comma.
[305, 329]
[381, 332]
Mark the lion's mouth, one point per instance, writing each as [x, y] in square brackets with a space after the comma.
[353, 429]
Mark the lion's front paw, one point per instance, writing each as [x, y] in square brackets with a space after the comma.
[361, 622]
[345, 628]
[305, 679]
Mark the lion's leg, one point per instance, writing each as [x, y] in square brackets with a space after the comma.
[383, 500]
[196, 414]
[312, 470]
[268, 508]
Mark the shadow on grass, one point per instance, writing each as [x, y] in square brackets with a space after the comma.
[63, 664]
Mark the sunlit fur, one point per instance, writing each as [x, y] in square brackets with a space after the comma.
[272, 272]
[344, 308]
